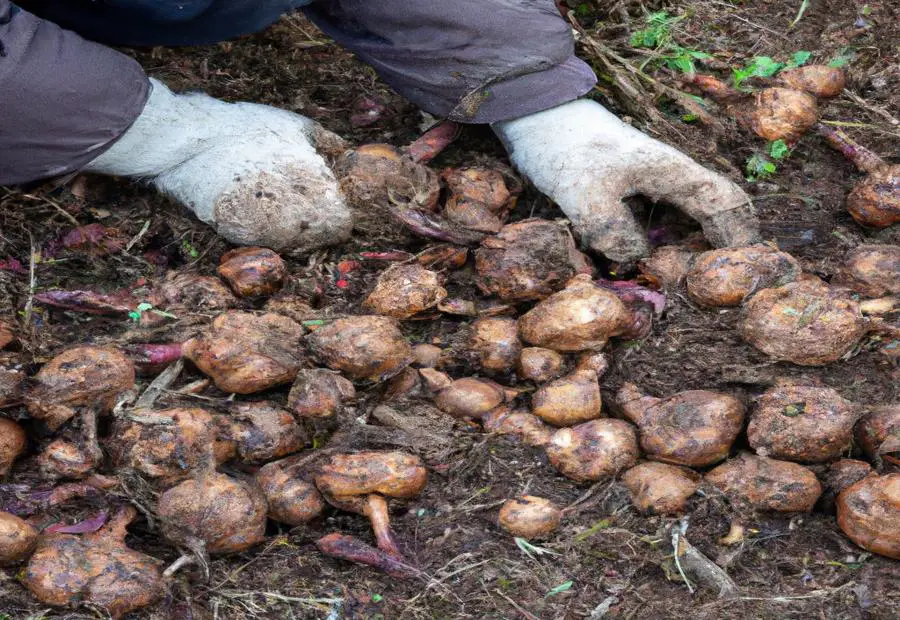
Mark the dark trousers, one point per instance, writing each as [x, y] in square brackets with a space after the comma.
[64, 99]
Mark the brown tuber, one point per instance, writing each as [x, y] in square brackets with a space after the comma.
[319, 393]
[580, 317]
[495, 343]
[527, 260]
[260, 431]
[252, 272]
[594, 450]
[869, 514]
[469, 397]
[361, 483]
[197, 294]
[427, 355]
[694, 428]
[802, 423]
[568, 401]
[376, 173]
[65, 459]
[478, 198]
[526, 426]
[659, 488]
[819, 81]
[291, 499]
[12, 444]
[529, 517]
[403, 291]
[244, 353]
[539, 365]
[878, 433]
[726, 277]
[17, 539]
[762, 483]
[871, 270]
[805, 322]
[667, 266]
[96, 568]
[365, 348]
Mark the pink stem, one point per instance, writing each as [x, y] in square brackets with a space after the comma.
[89, 302]
[151, 355]
[435, 227]
[352, 549]
[432, 142]
[863, 158]
[377, 511]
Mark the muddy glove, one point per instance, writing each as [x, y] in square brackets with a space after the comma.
[587, 160]
[250, 171]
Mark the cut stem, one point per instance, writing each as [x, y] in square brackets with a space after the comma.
[863, 158]
[377, 511]
[352, 549]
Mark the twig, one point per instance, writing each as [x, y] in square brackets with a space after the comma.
[160, 384]
[525, 613]
[47, 201]
[676, 545]
[32, 281]
[137, 237]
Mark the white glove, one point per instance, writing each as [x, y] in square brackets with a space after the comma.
[586, 160]
[250, 171]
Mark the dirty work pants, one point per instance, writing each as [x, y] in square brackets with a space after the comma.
[65, 98]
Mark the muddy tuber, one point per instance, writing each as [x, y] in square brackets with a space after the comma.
[529, 517]
[260, 431]
[819, 81]
[660, 488]
[726, 277]
[568, 401]
[761, 483]
[378, 173]
[319, 393]
[539, 364]
[12, 444]
[291, 499]
[365, 348]
[526, 426]
[244, 353]
[871, 270]
[594, 450]
[402, 291]
[869, 514]
[18, 538]
[694, 428]
[479, 198]
[253, 272]
[470, 397]
[495, 343]
[878, 433]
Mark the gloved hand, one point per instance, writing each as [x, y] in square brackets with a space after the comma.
[587, 160]
[250, 171]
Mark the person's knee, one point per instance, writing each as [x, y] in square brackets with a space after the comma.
[163, 10]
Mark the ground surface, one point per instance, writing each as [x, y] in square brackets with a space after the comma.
[615, 559]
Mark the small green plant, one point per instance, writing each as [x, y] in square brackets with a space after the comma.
[759, 166]
[377, 598]
[779, 149]
[189, 249]
[765, 66]
[658, 36]
[563, 587]
[136, 314]
[532, 550]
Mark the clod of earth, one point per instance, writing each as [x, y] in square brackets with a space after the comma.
[761, 483]
[878, 433]
[528, 260]
[581, 316]
[319, 393]
[403, 291]
[12, 444]
[819, 81]
[802, 423]
[526, 426]
[694, 428]
[291, 499]
[568, 401]
[96, 568]
[17, 539]
[869, 514]
[495, 344]
[659, 488]
[594, 450]
[365, 348]
[805, 322]
[362, 482]
[871, 270]
[529, 517]
[253, 272]
[539, 364]
[244, 353]
[728, 276]
[470, 397]
[260, 431]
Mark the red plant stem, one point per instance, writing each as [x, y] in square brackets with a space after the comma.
[377, 511]
[89, 302]
[714, 88]
[352, 549]
[432, 142]
[153, 354]
[863, 158]
[435, 227]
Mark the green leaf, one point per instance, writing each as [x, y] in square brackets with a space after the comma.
[532, 550]
[793, 410]
[766, 67]
[779, 149]
[696, 54]
[134, 316]
[377, 598]
[769, 167]
[144, 306]
[683, 64]
[563, 587]
[840, 61]
[800, 58]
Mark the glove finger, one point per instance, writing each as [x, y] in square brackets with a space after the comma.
[609, 227]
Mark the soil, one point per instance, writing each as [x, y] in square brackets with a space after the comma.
[606, 561]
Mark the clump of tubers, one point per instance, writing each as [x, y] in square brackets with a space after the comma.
[869, 514]
[875, 201]
[362, 483]
[378, 173]
[495, 343]
[291, 499]
[802, 423]
[528, 260]
[659, 488]
[762, 483]
[568, 401]
[726, 277]
[18, 538]
[819, 81]
[96, 568]
[319, 393]
[260, 431]
[594, 450]
[878, 433]
[539, 364]
[805, 322]
[252, 272]
[526, 426]
[469, 397]
[244, 353]
[365, 348]
[694, 428]
[12, 444]
[582, 316]
[529, 517]
[871, 270]
[403, 291]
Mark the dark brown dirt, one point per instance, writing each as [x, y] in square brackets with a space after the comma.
[616, 560]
